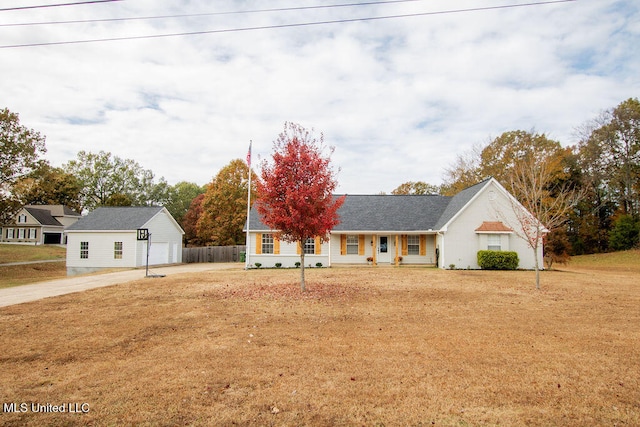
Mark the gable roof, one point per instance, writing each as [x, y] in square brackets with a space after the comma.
[459, 201]
[493, 227]
[116, 218]
[43, 216]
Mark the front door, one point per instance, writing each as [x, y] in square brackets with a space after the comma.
[383, 249]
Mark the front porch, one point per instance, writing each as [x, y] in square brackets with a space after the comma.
[384, 249]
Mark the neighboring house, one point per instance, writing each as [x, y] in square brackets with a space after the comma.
[441, 231]
[108, 238]
[39, 224]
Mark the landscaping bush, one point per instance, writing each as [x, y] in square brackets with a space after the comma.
[278, 264]
[498, 260]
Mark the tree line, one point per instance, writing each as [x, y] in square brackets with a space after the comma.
[603, 168]
[213, 214]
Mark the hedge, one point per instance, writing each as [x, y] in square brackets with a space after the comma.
[498, 260]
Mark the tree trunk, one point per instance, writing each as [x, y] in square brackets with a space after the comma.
[302, 286]
[535, 256]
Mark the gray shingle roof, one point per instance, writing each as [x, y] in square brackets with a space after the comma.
[56, 210]
[115, 218]
[43, 216]
[390, 212]
[394, 212]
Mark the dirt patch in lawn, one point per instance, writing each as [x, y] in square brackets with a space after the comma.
[365, 346]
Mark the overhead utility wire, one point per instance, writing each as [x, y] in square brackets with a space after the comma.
[5, 9]
[279, 26]
[194, 15]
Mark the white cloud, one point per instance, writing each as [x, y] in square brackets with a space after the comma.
[399, 99]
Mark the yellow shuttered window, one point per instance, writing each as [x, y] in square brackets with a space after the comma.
[343, 244]
[405, 245]
[276, 245]
[423, 245]
[361, 244]
[258, 243]
[318, 245]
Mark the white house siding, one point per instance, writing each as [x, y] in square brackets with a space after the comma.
[462, 242]
[101, 251]
[165, 239]
[288, 255]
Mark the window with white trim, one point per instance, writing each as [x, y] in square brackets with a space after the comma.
[10, 233]
[22, 218]
[413, 245]
[20, 233]
[84, 250]
[352, 245]
[494, 242]
[117, 250]
[267, 243]
[32, 233]
[310, 246]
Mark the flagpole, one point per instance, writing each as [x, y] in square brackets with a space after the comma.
[248, 241]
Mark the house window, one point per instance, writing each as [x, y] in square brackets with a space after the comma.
[32, 233]
[413, 245]
[117, 250]
[494, 242]
[267, 243]
[10, 233]
[22, 219]
[352, 245]
[20, 233]
[310, 246]
[84, 250]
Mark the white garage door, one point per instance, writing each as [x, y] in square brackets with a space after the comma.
[159, 253]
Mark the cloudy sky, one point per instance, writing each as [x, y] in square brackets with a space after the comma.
[399, 98]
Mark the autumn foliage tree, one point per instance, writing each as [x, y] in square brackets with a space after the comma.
[295, 193]
[417, 187]
[190, 222]
[547, 200]
[224, 207]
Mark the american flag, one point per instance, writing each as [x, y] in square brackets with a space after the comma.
[249, 155]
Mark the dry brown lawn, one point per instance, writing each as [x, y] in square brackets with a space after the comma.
[15, 275]
[365, 346]
[17, 253]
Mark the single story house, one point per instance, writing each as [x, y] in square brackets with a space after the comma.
[39, 224]
[112, 237]
[434, 230]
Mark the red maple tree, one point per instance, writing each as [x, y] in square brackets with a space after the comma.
[295, 194]
[190, 221]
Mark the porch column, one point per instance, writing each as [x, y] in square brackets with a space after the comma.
[397, 262]
[374, 249]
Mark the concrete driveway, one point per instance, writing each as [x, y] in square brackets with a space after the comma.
[51, 288]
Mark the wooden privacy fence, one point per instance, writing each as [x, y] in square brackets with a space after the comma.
[213, 254]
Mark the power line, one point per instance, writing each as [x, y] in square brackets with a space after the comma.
[56, 5]
[194, 15]
[280, 26]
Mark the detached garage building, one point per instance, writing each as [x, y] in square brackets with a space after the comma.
[108, 237]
